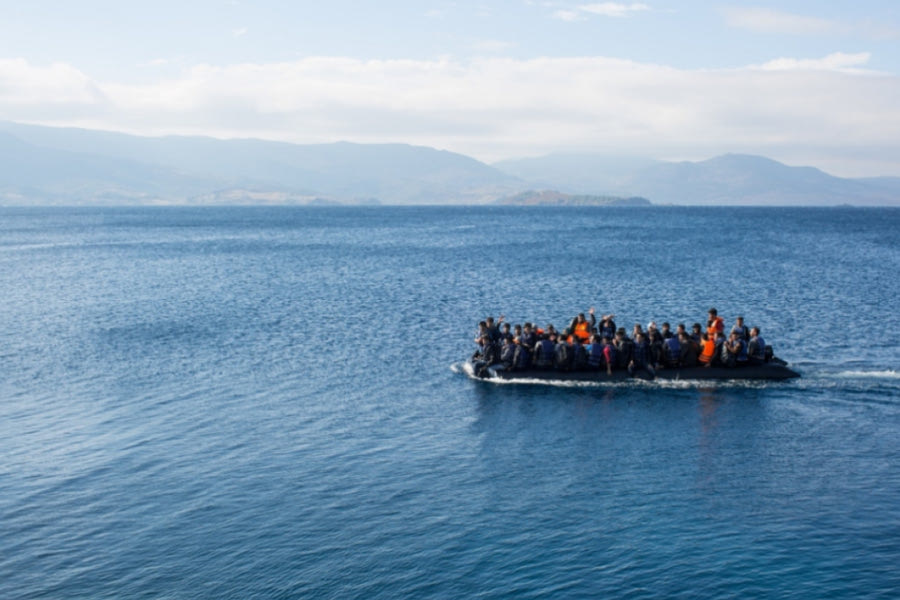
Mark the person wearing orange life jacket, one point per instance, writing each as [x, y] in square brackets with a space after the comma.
[581, 328]
[709, 349]
[715, 324]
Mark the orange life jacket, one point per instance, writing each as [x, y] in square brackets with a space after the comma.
[717, 326]
[583, 330]
[709, 348]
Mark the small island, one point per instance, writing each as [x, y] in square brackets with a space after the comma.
[554, 198]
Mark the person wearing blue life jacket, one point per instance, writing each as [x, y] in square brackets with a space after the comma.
[734, 351]
[488, 355]
[690, 351]
[508, 353]
[579, 355]
[594, 351]
[741, 329]
[756, 348]
[505, 333]
[672, 351]
[640, 357]
[624, 349]
[544, 352]
[563, 356]
[522, 356]
[720, 352]
[607, 327]
[528, 337]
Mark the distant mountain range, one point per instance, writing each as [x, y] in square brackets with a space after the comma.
[67, 166]
[731, 179]
[554, 198]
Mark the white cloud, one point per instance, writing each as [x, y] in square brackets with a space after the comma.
[613, 9]
[239, 32]
[603, 9]
[838, 61]
[492, 108]
[766, 20]
[568, 15]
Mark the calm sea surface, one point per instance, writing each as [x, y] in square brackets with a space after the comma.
[267, 403]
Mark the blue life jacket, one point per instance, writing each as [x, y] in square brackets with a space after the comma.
[580, 359]
[608, 331]
[673, 349]
[543, 353]
[742, 353]
[759, 351]
[522, 358]
[563, 357]
[641, 353]
[595, 354]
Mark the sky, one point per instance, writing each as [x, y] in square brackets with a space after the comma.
[804, 82]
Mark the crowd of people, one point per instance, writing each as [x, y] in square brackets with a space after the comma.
[586, 345]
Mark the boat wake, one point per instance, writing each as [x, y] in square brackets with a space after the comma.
[465, 368]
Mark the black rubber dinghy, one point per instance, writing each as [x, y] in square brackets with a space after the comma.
[775, 369]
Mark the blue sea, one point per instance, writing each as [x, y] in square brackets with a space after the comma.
[217, 403]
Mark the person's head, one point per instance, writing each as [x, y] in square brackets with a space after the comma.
[518, 329]
[581, 317]
[651, 326]
[682, 335]
[489, 321]
[740, 321]
[605, 339]
[620, 333]
[551, 328]
[527, 327]
[666, 326]
[713, 313]
[680, 328]
[696, 328]
[704, 337]
[754, 332]
[505, 328]
[639, 337]
[594, 338]
[482, 325]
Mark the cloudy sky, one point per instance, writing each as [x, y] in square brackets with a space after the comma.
[805, 82]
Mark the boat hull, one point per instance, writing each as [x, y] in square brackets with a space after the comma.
[774, 370]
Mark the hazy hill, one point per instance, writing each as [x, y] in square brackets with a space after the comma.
[554, 198]
[577, 173]
[222, 169]
[29, 174]
[731, 179]
[44, 165]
